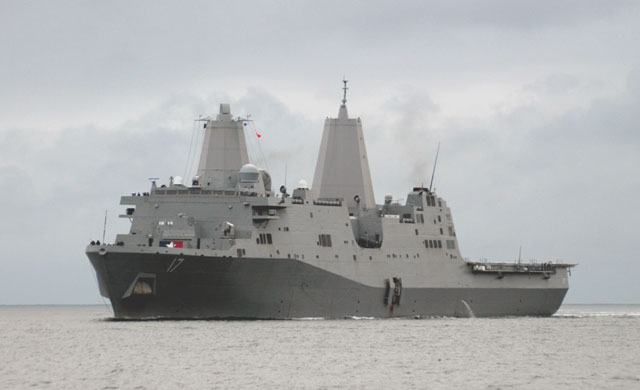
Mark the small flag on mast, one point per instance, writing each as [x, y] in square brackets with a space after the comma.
[254, 129]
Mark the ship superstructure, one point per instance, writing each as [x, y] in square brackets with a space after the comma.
[226, 245]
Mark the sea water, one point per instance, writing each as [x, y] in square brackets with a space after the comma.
[80, 347]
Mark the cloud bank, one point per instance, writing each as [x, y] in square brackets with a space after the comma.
[535, 107]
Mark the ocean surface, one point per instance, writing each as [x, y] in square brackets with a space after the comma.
[79, 347]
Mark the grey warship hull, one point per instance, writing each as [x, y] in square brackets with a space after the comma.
[246, 288]
[227, 246]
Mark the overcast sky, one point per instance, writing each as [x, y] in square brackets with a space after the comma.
[536, 106]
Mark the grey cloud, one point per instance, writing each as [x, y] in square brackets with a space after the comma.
[506, 188]
[561, 185]
[563, 189]
[122, 55]
[55, 192]
[127, 80]
[403, 139]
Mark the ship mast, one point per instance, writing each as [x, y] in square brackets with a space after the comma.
[224, 151]
[344, 97]
[342, 169]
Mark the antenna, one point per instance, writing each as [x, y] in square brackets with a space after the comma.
[191, 147]
[344, 97]
[520, 254]
[104, 230]
[434, 167]
[285, 175]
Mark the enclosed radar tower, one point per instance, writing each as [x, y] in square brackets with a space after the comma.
[224, 151]
[342, 170]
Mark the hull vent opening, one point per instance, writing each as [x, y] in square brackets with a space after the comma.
[142, 288]
[143, 284]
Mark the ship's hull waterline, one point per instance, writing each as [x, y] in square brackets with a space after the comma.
[266, 288]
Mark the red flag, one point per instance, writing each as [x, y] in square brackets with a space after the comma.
[254, 129]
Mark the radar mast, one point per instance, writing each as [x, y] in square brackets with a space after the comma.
[344, 96]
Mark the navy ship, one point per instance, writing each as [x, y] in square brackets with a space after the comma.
[227, 245]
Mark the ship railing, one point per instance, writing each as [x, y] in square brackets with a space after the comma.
[530, 268]
[198, 191]
[323, 202]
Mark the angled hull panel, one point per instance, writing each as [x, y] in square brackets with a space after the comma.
[204, 287]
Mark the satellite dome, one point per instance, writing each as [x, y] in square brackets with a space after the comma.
[249, 168]
[303, 184]
[249, 173]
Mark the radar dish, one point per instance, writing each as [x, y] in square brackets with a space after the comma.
[249, 174]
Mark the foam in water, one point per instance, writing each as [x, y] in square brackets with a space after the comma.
[469, 311]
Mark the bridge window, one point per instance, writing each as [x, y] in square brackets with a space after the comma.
[264, 238]
[324, 240]
[431, 244]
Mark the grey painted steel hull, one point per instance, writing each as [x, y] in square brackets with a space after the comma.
[227, 246]
[268, 288]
